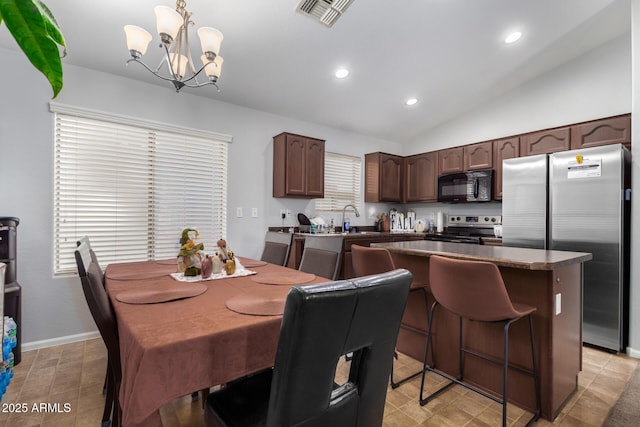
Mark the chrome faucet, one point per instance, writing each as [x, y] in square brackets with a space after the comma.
[345, 208]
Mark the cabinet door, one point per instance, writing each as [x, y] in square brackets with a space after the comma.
[296, 154]
[314, 165]
[508, 148]
[546, 141]
[478, 156]
[450, 160]
[421, 177]
[613, 130]
[390, 178]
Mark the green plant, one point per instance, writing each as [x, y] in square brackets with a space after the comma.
[36, 31]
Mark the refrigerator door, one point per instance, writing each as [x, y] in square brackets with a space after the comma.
[586, 201]
[524, 202]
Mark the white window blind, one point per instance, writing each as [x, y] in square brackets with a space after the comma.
[342, 182]
[132, 189]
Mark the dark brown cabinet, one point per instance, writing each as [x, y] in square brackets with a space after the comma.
[298, 166]
[546, 141]
[478, 156]
[421, 177]
[507, 148]
[614, 130]
[383, 177]
[450, 160]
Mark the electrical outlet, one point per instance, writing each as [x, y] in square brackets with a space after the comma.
[254, 212]
[288, 213]
[283, 213]
[239, 212]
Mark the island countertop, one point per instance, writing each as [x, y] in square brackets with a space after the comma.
[504, 256]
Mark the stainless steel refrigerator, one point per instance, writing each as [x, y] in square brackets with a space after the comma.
[578, 200]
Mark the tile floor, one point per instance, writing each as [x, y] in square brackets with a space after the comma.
[73, 374]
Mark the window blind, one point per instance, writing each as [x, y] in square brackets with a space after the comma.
[132, 189]
[342, 182]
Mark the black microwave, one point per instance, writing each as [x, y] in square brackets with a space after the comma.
[476, 186]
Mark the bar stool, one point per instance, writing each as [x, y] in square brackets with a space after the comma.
[366, 261]
[475, 291]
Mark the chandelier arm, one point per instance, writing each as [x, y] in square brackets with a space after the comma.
[151, 70]
[168, 59]
[202, 84]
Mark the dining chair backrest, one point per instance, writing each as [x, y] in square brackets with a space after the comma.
[366, 261]
[85, 239]
[472, 289]
[322, 323]
[276, 247]
[322, 256]
[92, 279]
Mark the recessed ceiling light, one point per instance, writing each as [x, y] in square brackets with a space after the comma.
[341, 73]
[411, 101]
[513, 37]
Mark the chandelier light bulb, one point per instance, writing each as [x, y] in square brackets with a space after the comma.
[168, 23]
[210, 39]
[137, 40]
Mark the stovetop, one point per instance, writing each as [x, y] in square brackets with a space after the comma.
[467, 228]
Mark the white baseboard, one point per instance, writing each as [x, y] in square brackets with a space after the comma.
[633, 353]
[35, 345]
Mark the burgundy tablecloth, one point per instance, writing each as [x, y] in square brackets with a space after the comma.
[172, 349]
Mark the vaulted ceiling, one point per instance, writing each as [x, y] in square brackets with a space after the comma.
[449, 54]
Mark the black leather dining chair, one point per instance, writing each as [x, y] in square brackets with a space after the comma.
[322, 323]
[277, 245]
[322, 256]
[92, 279]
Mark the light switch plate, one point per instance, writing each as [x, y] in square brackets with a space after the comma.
[239, 212]
[254, 212]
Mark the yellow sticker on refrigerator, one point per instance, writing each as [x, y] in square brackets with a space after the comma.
[583, 167]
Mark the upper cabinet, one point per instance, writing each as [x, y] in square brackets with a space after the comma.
[478, 156]
[546, 141]
[421, 177]
[383, 177]
[298, 166]
[450, 160]
[614, 130]
[507, 148]
[414, 179]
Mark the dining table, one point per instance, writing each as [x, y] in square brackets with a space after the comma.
[179, 335]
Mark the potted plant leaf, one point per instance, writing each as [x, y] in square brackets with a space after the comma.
[36, 31]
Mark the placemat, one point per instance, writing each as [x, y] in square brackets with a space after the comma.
[259, 302]
[137, 275]
[284, 278]
[252, 263]
[157, 294]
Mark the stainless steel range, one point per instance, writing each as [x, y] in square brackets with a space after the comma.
[466, 228]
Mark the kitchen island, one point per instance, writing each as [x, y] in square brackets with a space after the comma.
[551, 281]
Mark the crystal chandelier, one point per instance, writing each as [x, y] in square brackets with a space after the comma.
[177, 66]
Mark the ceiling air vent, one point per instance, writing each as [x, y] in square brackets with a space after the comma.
[326, 12]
